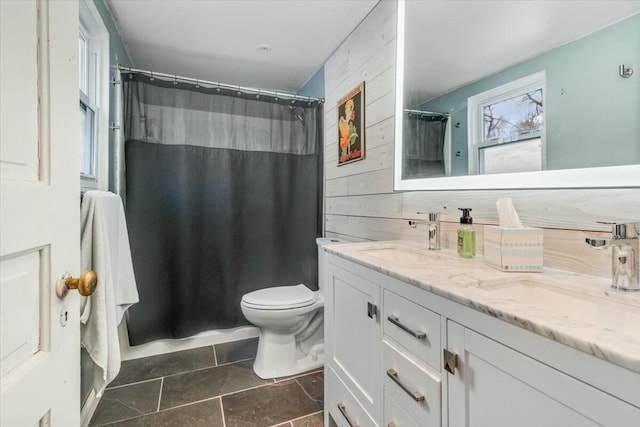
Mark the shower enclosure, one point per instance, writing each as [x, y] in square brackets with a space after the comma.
[223, 193]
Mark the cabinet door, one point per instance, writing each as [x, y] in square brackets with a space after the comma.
[496, 386]
[354, 337]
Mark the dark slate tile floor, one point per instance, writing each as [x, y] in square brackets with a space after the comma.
[210, 386]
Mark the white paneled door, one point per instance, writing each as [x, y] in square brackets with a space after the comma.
[39, 213]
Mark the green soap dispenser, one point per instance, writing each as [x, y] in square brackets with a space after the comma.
[466, 235]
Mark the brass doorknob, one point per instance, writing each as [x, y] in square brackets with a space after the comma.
[85, 284]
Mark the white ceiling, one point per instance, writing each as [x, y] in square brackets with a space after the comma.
[217, 40]
[452, 43]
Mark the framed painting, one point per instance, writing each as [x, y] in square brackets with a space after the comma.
[351, 126]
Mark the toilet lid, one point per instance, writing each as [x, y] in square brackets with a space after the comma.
[280, 296]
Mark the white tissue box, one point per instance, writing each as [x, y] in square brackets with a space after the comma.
[514, 249]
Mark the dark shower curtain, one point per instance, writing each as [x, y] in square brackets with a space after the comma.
[423, 145]
[223, 197]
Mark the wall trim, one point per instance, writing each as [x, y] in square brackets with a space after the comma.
[89, 408]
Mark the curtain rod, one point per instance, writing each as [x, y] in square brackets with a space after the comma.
[429, 113]
[243, 89]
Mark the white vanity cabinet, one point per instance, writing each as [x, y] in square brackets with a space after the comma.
[352, 347]
[388, 369]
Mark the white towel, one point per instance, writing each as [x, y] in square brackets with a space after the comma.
[105, 249]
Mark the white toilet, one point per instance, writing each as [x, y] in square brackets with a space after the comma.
[291, 322]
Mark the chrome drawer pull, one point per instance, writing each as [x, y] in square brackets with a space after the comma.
[418, 334]
[343, 411]
[418, 397]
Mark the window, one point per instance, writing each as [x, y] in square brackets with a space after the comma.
[88, 129]
[93, 67]
[87, 141]
[83, 53]
[506, 127]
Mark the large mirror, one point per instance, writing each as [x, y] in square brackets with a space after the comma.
[514, 94]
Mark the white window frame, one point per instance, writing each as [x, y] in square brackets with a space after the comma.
[95, 32]
[509, 90]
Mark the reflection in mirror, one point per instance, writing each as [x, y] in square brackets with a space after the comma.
[429, 155]
[504, 87]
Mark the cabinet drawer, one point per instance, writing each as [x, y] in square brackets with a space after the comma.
[395, 416]
[342, 405]
[415, 388]
[413, 326]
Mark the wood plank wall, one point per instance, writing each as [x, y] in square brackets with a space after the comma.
[360, 203]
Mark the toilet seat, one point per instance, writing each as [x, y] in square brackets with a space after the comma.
[279, 298]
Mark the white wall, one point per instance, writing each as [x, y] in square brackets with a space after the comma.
[359, 199]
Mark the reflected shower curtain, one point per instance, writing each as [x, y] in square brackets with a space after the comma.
[423, 145]
[223, 197]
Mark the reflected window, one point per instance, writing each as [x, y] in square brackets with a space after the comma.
[513, 118]
[521, 156]
[507, 127]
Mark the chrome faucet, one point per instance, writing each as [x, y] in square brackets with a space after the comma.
[433, 242]
[625, 245]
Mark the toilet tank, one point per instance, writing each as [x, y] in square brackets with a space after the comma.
[321, 242]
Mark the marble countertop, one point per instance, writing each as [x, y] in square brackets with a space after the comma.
[583, 312]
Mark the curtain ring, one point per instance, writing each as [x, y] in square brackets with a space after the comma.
[218, 88]
[276, 98]
[152, 78]
[309, 99]
[197, 83]
[175, 80]
[239, 92]
[258, 95]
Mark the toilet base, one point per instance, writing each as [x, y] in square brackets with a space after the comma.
[278, 357]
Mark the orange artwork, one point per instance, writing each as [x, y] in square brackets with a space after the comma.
[351, 126]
